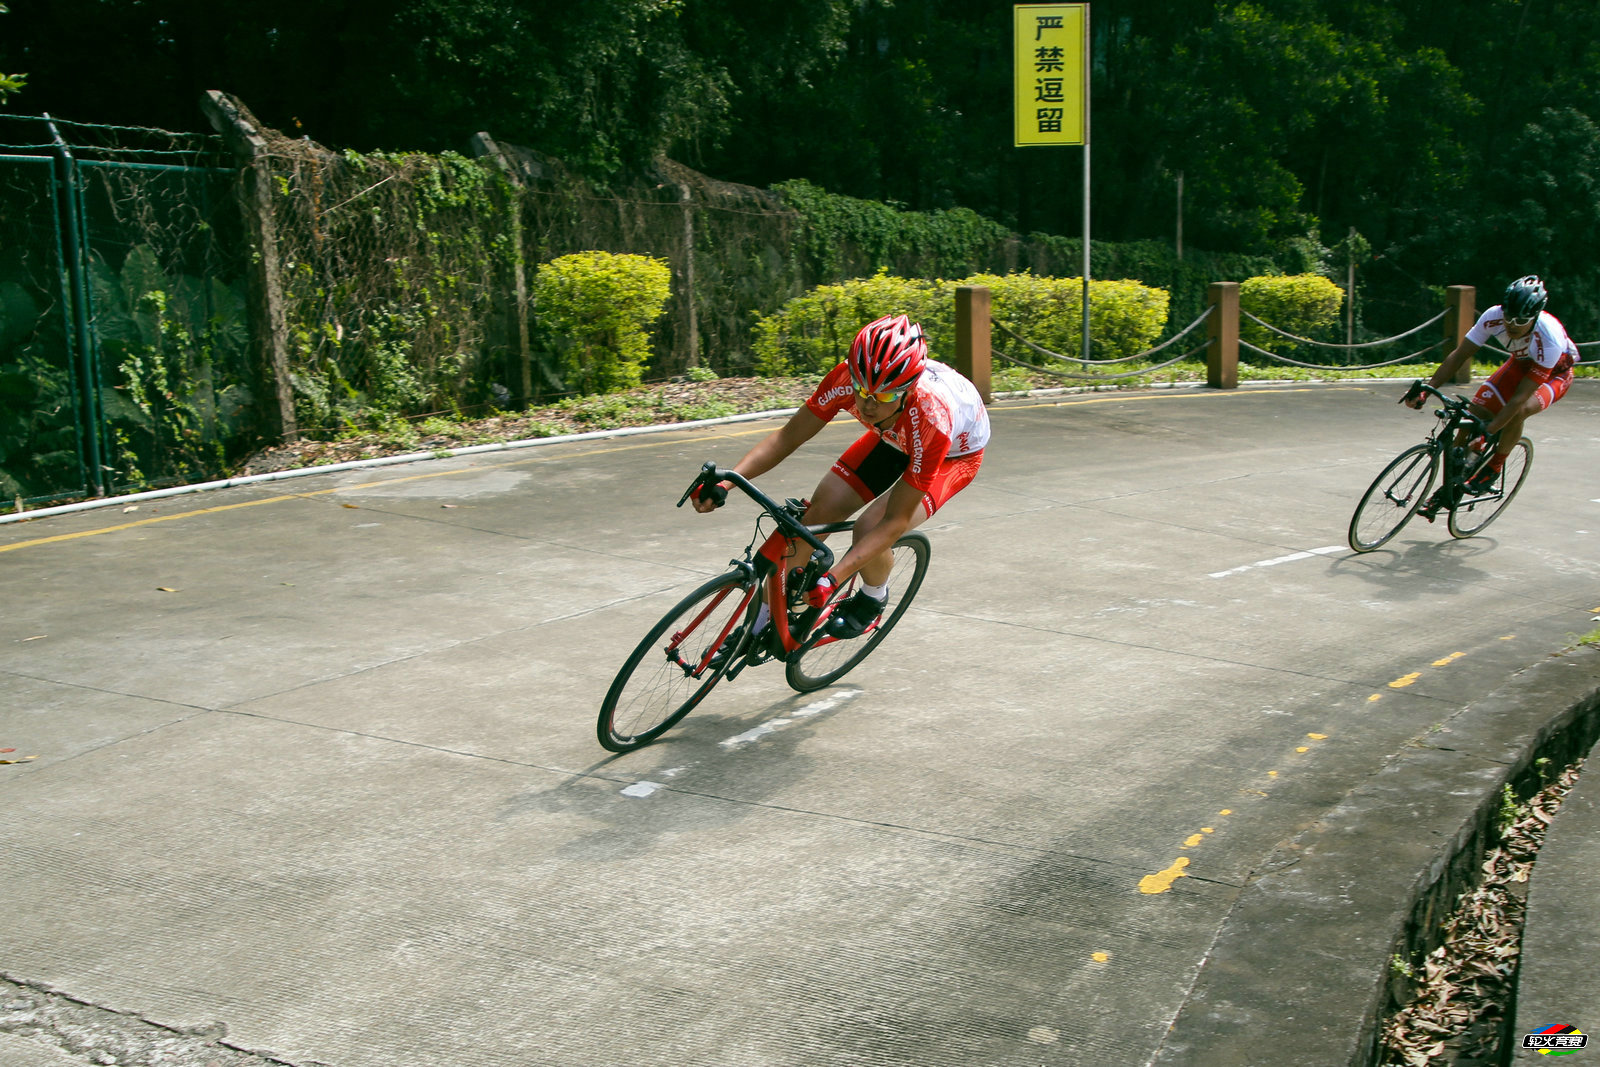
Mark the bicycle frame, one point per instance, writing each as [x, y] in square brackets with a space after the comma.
[1454, 418]
[768, 573]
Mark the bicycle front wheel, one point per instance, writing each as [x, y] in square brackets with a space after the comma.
[1474, 513]
[676, 664]
[830, 659]
[1394, 496]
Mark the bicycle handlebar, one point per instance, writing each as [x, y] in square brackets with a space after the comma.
[711, 474]
[1454, 405]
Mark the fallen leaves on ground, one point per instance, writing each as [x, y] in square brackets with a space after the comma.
[1456, 1017]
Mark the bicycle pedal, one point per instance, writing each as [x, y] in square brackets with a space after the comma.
[762, 648]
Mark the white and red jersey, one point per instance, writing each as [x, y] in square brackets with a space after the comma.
[1547, 349]
[943, 418]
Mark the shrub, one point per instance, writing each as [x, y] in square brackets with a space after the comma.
[811, 333]
[602, 304]
[1125, 317]
[1301, 304]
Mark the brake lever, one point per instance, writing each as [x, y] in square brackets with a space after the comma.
[707, 469]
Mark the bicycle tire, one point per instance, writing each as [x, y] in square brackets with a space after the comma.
[1471, 515]
[828, 660]
[657, 686]
[1392, 498]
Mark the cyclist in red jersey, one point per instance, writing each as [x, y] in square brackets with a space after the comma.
[926, 428]
[1535, 375]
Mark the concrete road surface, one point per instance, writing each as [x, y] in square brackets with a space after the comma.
[307, 769]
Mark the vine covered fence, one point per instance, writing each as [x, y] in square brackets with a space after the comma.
[173, 302]
[122, 325]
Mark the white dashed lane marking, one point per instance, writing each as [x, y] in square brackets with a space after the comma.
[1326, 550]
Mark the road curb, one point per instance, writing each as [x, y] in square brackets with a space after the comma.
[1299, 972]
[471, 450]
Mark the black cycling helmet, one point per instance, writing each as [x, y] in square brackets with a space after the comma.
[1524, 298]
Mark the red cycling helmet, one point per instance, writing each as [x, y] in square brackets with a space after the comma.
[887, 355]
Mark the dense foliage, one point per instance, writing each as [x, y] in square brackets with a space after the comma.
[601, 305]
[10, 84]
[1459, 143]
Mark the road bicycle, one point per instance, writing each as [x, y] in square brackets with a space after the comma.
[711, 634]
[1403, 488]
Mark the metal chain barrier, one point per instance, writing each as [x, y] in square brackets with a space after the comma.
[1343, 347]
[1098, 377]
[1329, 344]
[1409, 357]
[1340, 366]
[1103, 362]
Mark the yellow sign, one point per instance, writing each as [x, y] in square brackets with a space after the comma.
[1052, 81]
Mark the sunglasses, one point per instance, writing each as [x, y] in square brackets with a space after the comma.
[882, 398]
[1521, 321]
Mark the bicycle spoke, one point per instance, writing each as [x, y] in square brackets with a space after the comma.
[829, 658]
[1391, 500]
[1473, 513]
[675, 666]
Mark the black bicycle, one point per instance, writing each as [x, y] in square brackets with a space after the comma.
[710, 635]
[1452, 453]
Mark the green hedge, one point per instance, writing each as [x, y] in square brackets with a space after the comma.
[1125, 317]
[601, 305]
[1302, 304]
[811, 333]
[844, 237]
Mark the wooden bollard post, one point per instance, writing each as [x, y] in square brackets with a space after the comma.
[1459, 315]
[973, 336]
[1222, 334]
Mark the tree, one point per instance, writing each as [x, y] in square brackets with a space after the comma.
[10, 84]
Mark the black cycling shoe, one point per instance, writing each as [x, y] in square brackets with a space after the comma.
[719, 658]
[1482, 480]
[765, 645]
[855, 616]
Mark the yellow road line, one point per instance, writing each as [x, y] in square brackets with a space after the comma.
[158, 518]
[315, 493]
[545, 457]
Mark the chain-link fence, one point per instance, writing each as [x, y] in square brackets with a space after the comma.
[170, 302]
[122, 325]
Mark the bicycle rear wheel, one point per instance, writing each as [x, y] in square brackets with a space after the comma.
[831, 658]
[1392, 498]
[1474, 513]
[672, 669]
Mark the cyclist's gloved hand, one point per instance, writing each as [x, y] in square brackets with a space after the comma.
[820, 593]
[715, 495]
[1414, 395]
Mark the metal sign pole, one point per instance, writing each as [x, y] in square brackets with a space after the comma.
[1085, 181]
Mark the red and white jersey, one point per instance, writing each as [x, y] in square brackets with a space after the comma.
[943, 418]
[1547, 346]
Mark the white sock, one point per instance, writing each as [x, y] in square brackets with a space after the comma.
[762, 617]
[876, 592]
